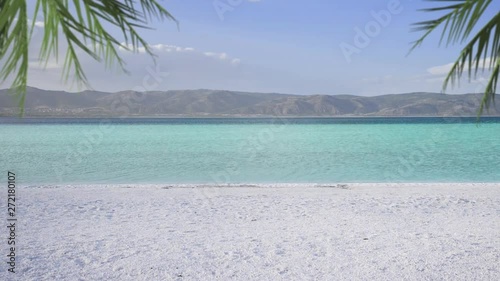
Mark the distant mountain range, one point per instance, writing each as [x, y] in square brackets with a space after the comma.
[203, 103]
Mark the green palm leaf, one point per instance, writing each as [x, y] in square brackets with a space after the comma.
[482, 51]
[81, 29]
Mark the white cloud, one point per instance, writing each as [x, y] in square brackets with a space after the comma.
[51, 64]
[39, 24]
[157, 48]
[440, 69]
[187, 67]
[164, 48]
[223, 57]
[444, 69]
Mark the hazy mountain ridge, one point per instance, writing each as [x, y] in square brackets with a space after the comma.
[230, 103]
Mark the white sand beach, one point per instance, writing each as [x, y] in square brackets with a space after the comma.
[282, 232]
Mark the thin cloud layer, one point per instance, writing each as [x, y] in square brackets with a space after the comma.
[444, 69]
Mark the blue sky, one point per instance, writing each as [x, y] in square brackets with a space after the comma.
[284, 46]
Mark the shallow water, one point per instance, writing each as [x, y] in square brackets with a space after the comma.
[220, 151]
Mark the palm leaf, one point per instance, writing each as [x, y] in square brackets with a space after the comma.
[482, 51]
[82, 28]
[14, 46]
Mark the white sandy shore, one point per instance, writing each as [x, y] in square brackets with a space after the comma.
[285, 232]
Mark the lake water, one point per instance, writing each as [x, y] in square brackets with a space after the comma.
[246, 150]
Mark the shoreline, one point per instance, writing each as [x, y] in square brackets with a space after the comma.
[250, 117]
[340, 185]
[244, 116]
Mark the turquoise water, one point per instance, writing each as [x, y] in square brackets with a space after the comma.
[251, 150]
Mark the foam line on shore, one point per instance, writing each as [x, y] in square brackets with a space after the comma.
[274, 185]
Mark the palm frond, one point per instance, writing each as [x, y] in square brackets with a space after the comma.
[482, 51]
[82, 28]
[14, 45]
